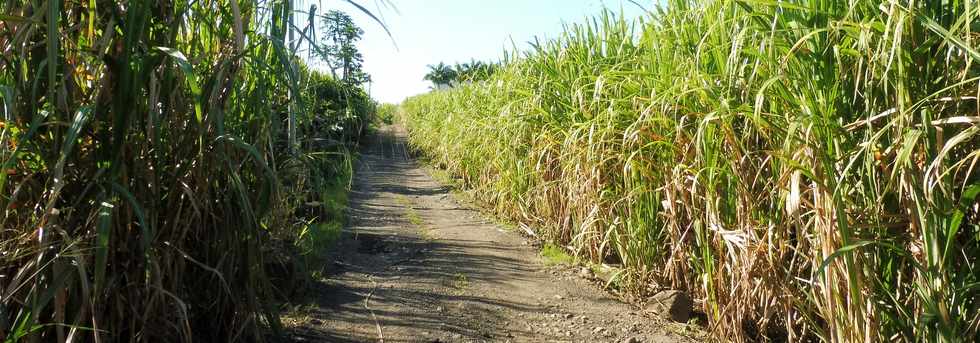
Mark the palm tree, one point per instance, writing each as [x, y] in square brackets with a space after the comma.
[444, 76]
[463, 71]
[441, 75]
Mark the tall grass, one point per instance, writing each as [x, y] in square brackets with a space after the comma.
[807, 169]
[155, 156]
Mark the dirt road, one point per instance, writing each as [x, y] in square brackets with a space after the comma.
[414, 265]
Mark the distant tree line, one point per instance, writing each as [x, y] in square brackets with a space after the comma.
[443, 75]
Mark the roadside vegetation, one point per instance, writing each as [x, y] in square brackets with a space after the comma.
[806, 169]
[170, 168]
[386, 114]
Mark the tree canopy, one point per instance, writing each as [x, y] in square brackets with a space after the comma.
[443, 75]
[339, 50]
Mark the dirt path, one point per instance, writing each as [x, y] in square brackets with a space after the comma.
[416, 266]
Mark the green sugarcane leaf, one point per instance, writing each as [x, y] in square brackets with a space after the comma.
[188, 69]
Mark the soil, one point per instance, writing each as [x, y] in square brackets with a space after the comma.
[416, 264]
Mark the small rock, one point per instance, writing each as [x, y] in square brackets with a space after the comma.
[586, 273]
[597, 330]
[631, 340]
[672, 304]
[559, 297]
[439, 309]
[569, 316]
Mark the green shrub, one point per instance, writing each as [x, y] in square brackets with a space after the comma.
[386, 113]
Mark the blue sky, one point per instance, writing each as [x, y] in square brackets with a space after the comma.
[430, 31]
